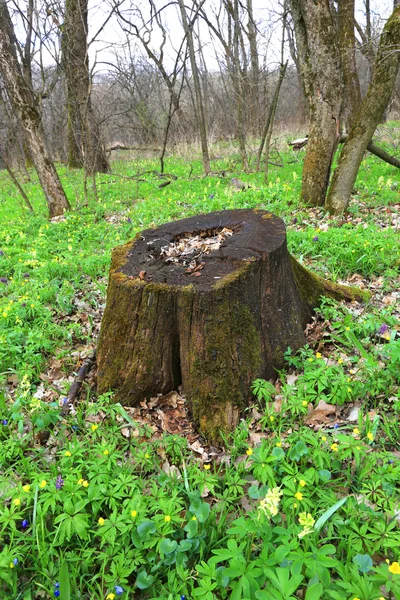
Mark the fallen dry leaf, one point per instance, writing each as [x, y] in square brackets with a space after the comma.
[320, 414]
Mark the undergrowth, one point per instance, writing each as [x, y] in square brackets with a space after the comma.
[94, 507]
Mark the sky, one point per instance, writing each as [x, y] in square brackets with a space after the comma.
[110, 39]
[265, 13]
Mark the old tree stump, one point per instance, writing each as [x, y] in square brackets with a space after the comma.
[210, 302]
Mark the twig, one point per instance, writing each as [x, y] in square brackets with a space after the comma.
[79, 379]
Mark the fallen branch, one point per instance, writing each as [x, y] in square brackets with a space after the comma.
[79, 379]
[118, 146]
[373, 148]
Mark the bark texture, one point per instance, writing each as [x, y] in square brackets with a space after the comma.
[347, 44]
[24, 105]
[320, 62]
[85, 147]
[371, 111]
[213, 333]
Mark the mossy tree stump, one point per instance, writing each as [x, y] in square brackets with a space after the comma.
[213, 329]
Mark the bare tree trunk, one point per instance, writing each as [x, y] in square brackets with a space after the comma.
[254, 78]
[320, 62]
[371, 111]
[303, 107]
[238, 86]
[197, 88]
[347, 44]
[82, 126]
[24, 105]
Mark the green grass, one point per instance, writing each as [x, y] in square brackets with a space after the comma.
[146, 513]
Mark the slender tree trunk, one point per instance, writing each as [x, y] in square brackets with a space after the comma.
[197, 88]
[254, 78]
[371, 111]
[266, 135]
[347, 44]
[83, 130]
[238, 86]
[24, 105]
[320, 62]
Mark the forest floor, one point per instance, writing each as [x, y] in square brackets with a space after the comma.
[301, 501]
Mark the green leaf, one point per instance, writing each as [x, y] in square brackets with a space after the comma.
[278, 453]
[324, 475]
[65, 586]
[202, 512]
[145, 529]
[328, 513]
[364, 562]
[314, 592]
[168, 546]
[143, 580]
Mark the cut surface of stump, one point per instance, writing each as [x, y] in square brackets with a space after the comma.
[210, 303]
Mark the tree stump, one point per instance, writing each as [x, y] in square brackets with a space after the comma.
[210, 302]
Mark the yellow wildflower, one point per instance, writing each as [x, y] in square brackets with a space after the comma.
[302, 483]
[85, 483]
[298, 495]
[324, 438]
[278, 444]
[133, 513]
[110, 596]
[194, 518]
[356, 431]
[101, 521]
[249, 451]
[43, 484]
[94, 427]
[12, 565]
[318, 355]
[334, 447]
[67, 453]
[394, 568]
[26, 488]
[106, 452]
[80, 481]
[167, 518]
[305, 403]
[207, 467]
[370, 436]
[269, 504]
[17, 502]
[147, 455]
[340, 361]
[272, 419]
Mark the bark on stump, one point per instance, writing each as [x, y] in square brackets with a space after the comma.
[214, 330]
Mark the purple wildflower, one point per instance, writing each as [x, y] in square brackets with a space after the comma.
[56, 593]
[295, 221]
[315, 238]
[119, 590]
[15, 562]
[59, 482]
[25, 524]
[4, 422]
[1, 253]
[3, 280]
[129, 220]
[336, 426]
[26, 275]
[23, 304]
[383, 328]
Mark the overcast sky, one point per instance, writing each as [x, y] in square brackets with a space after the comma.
[265, 12]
